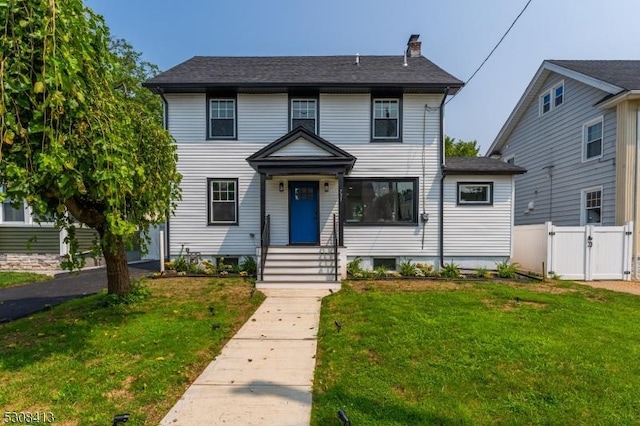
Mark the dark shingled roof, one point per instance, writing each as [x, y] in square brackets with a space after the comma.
[310, 71]
[480, 165]
[624, 74]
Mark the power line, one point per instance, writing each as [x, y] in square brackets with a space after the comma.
[493, 50]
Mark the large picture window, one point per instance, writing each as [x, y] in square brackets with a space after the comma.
[223, 201]
[475, 193]
[222, 118]
[381, 201]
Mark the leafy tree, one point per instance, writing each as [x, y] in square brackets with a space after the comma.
[80, 140]
[460, 148]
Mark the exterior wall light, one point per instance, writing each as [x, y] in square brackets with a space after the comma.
[326, 187]
[281, 187]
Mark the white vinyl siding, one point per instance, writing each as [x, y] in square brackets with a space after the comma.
[300, 147]
[345, 119]
[557, 140]
[187, 117]
[262, 118]
[480, 230]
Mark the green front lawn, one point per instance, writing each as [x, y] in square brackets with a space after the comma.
[415, 353]
[85, 362]
[10, 279]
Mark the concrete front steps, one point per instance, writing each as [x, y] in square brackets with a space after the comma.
[290, 267]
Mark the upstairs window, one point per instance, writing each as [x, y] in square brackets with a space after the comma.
[304, 113]
[592, 139]
[386, 120]
[552, 98]
[558, 95]
[222, 118]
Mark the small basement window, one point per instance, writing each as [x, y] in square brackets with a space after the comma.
[475, 193]
[389, 263]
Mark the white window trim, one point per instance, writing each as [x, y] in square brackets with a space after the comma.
[585, 126]
[551, 91]
[509, 158]
[315, 118]
[235, 116]
[583, 206]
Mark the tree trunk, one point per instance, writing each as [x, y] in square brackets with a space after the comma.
[118, 281]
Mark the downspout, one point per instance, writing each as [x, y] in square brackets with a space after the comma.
[442, 176]
[634, 249]
[165, 124]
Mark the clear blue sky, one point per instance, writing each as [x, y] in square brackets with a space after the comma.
[456, 34]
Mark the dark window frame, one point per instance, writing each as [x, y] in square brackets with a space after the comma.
[210, 203]
[380, 260]
[487, 203]
[222, 97]
[375, 98]
[314, 98]
[416, 200]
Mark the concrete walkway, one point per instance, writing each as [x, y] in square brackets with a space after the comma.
[264, 374]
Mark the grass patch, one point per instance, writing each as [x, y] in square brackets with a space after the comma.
[12, 279]
[479, 353]
[86, 361]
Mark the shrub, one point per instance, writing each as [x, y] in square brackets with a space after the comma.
[482, 273]
[354, 269]
[138, 294]
[380, 272]
[249, 265]
[407, 269]
[450, 270]
[506, 269]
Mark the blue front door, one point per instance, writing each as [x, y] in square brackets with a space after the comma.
[303, 213]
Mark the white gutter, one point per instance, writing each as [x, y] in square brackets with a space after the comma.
[629, 95]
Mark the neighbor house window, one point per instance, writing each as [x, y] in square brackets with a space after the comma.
[552, 98]
[475, 193]
[558, 95]
[592, 206]
[223, 201]
[11, 213]
[304, 113]
[381, 201]
[386, 119]
[222, 118]
[592, 139]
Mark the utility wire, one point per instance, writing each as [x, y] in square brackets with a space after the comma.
[492, 50]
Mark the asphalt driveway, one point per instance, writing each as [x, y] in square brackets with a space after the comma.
[21, 301]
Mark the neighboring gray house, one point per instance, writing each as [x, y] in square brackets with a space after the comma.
[302, 161]
[575, 130]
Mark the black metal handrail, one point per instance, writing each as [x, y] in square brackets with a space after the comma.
[335, 245]
[264, 244]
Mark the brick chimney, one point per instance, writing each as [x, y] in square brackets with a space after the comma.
[414, 47]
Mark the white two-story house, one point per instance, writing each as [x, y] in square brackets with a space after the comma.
[307, 162]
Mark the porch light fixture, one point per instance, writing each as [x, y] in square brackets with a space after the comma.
[281, 187]
[326, 187]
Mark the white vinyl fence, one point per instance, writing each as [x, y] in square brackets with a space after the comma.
[575, 252]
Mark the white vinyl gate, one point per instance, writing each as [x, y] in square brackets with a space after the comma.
[576, 252]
